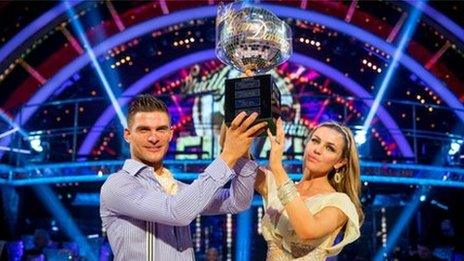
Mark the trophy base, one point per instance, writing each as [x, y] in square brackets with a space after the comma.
[253, 94]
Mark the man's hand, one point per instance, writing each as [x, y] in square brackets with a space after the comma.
[239, 136]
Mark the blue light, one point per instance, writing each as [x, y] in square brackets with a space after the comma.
[360, 137]
[411, 25]
[243, 235]
[191, 176]
[8, 133]
[36, 143]
[59, 212]
[455, 147]
[413, 181]
[6, 136]
[439, 204]
[409, 211]
[402, 222]
[93, 58]
[422, 198]
[12, 123]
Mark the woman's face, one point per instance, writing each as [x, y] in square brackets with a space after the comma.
[324, 151]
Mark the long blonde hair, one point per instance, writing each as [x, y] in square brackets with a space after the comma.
[350, 172]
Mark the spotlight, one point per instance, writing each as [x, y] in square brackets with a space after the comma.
[439, 204]
[54, 227]
[360, 137]
[36, 143]
[454, 147]
[422, 198]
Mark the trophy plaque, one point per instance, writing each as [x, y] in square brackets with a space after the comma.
[252, 40]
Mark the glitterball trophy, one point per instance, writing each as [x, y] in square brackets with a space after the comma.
[252, 40]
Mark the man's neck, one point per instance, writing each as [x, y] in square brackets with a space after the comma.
[157, 167]
[159, 171]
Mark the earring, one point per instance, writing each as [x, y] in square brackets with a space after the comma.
[337, 177]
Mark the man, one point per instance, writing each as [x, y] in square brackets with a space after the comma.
[147, 213]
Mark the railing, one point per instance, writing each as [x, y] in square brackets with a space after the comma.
[188, 170]
[61, 144]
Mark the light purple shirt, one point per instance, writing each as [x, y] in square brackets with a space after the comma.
[145, 223]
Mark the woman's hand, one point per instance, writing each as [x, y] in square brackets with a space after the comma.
[277, 146]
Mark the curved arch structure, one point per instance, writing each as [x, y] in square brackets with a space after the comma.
[60, 9]
[201, 56]
[210, 11]
[202, 12]
[33, 28]
[439, 18]
[373, 40]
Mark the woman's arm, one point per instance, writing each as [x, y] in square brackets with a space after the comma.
[305, 224]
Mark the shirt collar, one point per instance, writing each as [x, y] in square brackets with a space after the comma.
[133, 167]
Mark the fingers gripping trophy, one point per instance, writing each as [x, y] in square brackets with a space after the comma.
[252, 40]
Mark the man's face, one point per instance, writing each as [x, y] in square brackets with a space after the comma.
[149, 136]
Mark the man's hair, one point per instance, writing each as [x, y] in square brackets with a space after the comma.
[145, 103]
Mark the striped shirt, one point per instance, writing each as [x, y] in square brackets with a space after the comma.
[145, 223]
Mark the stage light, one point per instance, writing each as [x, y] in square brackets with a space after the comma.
[98, 69]
[407, 33]
[54, 227]
[36, 143]
[422, 198]
[439, 204]
[9, 132]
[360, 137]
[6, 118]
[197, 237]
[63, 219]
[454, 147]
[402, 222]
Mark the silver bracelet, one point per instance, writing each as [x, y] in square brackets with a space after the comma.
[287, 192]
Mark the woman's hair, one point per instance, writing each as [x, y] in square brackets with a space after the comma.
[350, 183]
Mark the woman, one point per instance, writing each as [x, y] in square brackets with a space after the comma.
[303, 220]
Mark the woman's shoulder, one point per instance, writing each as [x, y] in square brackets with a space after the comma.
[340, 196]
[339, 200]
